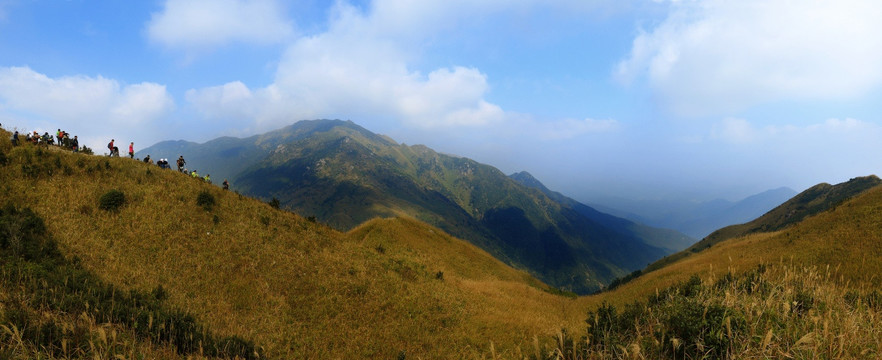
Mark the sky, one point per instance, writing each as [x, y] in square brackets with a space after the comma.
[652, 99]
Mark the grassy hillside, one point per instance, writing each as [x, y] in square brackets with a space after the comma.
[296, 288]
[817, 199]
[811, 290]
[846, 237]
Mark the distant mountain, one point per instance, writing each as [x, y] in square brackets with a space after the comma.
[696, 219]
[226, 157]
[670, 240]
[819, 198]
[344, 175]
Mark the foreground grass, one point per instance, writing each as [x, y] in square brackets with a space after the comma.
[771, 311]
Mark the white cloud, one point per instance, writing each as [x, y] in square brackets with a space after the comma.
[198, 24]
[90, 106]
[353, 71]
[361, 68]
[716, 57]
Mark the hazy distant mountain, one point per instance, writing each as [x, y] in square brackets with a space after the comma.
[344, 175]
[696, 219]
[670, 240]
[817, 199]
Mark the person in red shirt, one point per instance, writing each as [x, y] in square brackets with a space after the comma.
[131, 150]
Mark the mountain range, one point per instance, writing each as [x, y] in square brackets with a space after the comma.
[694, 218]
[344, 175]
[112, 258]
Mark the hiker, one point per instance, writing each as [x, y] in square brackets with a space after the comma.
[59, 135]
[147, 160]
[114, 152]
[132, 150]
[75, 144]
[47, 139]
[226, 185]
[110, 147]
[207, 178]
[15, 138]
[194, 174]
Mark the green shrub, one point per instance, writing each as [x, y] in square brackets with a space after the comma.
[274, 203]
[206, 200]
[694, 323]
[112, 200]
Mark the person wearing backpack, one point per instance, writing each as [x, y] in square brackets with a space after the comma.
[181, 163]
[75, 144]
[110, 147]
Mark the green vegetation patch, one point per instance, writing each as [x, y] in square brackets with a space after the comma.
[206, 200]
[112, 200]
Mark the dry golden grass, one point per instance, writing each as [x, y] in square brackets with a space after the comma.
[297, 288]
[848, 238]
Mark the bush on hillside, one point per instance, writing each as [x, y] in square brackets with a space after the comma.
[206, 200]
[112, 200]
[274, 203]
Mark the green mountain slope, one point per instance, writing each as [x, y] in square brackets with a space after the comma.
[345, 175]
[670, 240]
[226, 157]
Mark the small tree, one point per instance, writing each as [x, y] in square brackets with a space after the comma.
[206, 200]
[112, 200]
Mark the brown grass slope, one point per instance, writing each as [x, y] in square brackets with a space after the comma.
[296, 288]
[814, 200]
[847, 237]
[809, 291]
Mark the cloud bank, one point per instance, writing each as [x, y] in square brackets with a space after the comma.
[199, 24]
[361, 67]
[96, 106]
[719, 57]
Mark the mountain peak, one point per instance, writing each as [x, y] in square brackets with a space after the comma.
[528, 180]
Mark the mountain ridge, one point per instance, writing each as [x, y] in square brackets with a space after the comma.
[696, 219]
[344, 175]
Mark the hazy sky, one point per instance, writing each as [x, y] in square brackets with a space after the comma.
[641, 99]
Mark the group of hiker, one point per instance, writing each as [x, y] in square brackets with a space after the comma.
[61, 139]
[114, 151]
[163, 164]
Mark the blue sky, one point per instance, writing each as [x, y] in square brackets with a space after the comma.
[638, 99]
